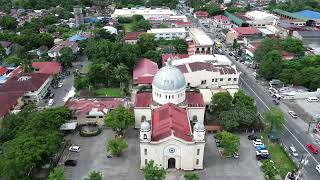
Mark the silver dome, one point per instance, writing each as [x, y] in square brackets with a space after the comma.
[198, 126]
[145, 126]
[169, 78]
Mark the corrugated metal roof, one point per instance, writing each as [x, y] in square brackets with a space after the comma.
[234, 18]
[292, 15]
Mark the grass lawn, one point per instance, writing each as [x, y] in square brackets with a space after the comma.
[128, 27]
[108, 92]
[282, 161]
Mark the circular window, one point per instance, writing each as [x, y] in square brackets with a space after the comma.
[172, 150]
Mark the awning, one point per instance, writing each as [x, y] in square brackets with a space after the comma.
[68, 126]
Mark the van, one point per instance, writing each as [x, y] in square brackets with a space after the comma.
[293, 151]
[50, 103]
[312, 99]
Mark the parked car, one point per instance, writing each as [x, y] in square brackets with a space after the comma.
[74, 148]
[51, 95]
[312, 148]
[257, 142]
[276, 102]
[262, 154]
[218, 143]
[231, 54]
[70, 162]
[50, 103]
[253, 137]
[60, 84]
[236, 155]
[318, 168]
[293, 151]
[313, 99]
[293, 114]
[261, 147]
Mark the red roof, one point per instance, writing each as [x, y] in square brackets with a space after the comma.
[3, 70]
[24, 82]
[180, 23]
[8, 100]
[84, 106]
[201, 14]
[168, 120]
[132, 35]
[16, 72]
[47, 67]
[144, 68]
[246, 31]
[221, 18]
[143, 99]
[166, 56]
[194, 99]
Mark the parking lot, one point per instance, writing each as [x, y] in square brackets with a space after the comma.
[93, 156]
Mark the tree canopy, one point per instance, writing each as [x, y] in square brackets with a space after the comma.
[221, 101]
[57, 174]
[8, 22]
[191, 176]
[153, 172]
[119, 119]
[229, 142]
[116, 146]
[274, 119]
[269, 68]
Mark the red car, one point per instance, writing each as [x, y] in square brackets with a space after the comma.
[312, 148]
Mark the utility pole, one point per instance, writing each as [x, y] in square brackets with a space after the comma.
[303, 161]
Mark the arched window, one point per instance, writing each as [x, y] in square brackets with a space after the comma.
[194, 118]
[145, 136]
[143, 118]
[145, 151]
[172, 96]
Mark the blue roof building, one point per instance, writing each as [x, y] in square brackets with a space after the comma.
[308, 14]
[79, 37]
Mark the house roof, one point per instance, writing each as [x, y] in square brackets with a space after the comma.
[234, 18]
[144, 80]
[132, 35]
[5, 44]
[143, 99]
[18, 70]
[79, 37]
[7, 101]
[180, 23]
[310, 34]
[292, 15]
[202, 13]
[166, 56]
[47, 67]
[245, 31]
[221, 18]
[194, 99]
[308, 14]
[93, 105]
[168, 120]
[24, 82]
[3, 70]
[145, 68]
[62, 45]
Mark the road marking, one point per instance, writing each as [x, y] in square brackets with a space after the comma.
[283, 125]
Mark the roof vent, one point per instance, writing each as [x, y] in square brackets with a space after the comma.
[24, 78]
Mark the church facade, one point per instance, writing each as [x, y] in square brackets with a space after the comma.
[170, 119]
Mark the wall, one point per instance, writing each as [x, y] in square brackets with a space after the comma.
[138, 113]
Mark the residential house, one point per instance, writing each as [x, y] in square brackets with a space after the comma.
[7, 45]
[201, 14]
[199, 42]
[239, 33]
[9, 101]
[33, 85]
[52, 68]
[132, 37]
[222, 21]
[54, 52]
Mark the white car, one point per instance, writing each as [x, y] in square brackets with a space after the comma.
[318, 168]
[257, 142]
[74, 148]
[60, 84]
[50, 102]
[262, 152]
[293, 114]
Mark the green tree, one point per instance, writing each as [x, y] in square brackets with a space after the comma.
[267, 45]
[57, 174]
[240, 99]
[43, 39]
[229, 142]
[221, 102]
[214, 10]
[269, 170]
[119, 119]
[274, 119]
[235, 44]
[116, 146]
[8, 22]
[67, 57]
[153, 172]
[2, 53]
[155, 56]
[293, 45]
[147, 42]
[80, 82]
[50, 19]
[94, 175]
[121, 74]
[270, 68]
[191, 176]
[229, 120]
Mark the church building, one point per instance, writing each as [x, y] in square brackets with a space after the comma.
[170, 119]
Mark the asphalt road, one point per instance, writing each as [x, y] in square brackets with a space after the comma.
[295, 133]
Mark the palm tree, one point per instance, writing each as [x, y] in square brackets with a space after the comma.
[121, 74]
[107, 71]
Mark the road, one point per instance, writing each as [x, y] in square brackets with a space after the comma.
[295, 133]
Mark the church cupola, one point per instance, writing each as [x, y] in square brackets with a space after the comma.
[199, 132]
[145, 132]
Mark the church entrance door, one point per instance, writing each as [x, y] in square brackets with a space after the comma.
[171, 163]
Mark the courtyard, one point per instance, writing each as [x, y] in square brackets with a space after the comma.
[93, 156]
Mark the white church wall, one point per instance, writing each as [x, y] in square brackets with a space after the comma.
[196, 111]
[138, 115]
